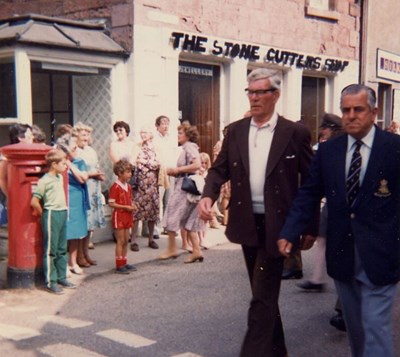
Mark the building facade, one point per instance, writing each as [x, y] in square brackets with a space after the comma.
[380, 56]
[184, 59]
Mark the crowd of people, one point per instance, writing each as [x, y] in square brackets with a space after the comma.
[283, 196]
[147, 191]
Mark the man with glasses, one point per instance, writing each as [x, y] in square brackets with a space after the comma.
[359, 174]
[266, 157]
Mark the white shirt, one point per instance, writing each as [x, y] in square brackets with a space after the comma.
[260, 139]
[167, 148]
[365, 151]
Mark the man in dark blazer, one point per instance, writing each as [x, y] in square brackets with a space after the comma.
[363, 229]
[265, 157]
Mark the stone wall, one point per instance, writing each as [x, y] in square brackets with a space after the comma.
[117, 14]
[282, 23]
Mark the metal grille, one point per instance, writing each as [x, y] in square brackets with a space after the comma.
[92, 106]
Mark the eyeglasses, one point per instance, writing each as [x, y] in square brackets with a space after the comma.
[258, 92]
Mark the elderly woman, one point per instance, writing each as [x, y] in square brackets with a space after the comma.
[181, 213]
[96, 213]
[123, 148]
[146, 195]
[78, 200]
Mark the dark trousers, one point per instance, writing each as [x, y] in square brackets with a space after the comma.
[264, 336]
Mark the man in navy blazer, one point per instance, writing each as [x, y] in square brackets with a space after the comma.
[265, 157]
[363, 234]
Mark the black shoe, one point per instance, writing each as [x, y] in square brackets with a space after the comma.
[337, 321]
[122, 270]
[309, 286]
[156, 236]
[67, 284]
[292, 274]
[130, 267]
[55, 289]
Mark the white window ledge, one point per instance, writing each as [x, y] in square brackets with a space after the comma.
[325, 14]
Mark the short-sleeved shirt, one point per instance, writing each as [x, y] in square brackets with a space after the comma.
[50, 190]
[122, 195]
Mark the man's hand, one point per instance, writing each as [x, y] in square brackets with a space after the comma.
[285, 247]
[306, 242]
[204, 209]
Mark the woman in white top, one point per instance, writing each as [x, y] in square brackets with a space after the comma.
[123, 148]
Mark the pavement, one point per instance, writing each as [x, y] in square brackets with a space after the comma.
[104, 254]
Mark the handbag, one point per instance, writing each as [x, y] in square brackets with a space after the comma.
[189, 186]
[134, 181]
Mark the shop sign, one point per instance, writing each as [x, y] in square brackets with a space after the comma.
[196, 71]
[202, 45]
[388, 65]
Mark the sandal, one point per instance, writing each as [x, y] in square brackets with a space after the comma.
[91, 261]
[134, 247]
[76, 270]
[153, 245]
[83, 263]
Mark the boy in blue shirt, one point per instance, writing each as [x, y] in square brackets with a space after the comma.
[49, 203]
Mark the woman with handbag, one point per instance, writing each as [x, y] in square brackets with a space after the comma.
[181, 213]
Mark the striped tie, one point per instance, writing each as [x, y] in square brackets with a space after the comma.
[353, 178]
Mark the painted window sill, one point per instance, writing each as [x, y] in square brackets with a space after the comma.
[324, 14]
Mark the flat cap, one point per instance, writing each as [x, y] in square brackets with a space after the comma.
[331, 121]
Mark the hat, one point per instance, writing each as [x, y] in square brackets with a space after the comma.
[331, 121]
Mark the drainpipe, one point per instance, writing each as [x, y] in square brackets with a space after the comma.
[362, 42]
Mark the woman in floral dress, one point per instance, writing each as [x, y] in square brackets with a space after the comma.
[146, 195]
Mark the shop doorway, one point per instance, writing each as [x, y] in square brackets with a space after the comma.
[312, 104]
[199, 100]
[384, 99]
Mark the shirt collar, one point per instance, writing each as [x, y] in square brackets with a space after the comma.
[270, 124]
[367, 139]
[122, 185]
[162, 136]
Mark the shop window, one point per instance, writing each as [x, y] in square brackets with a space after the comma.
[384, 105]
[8, 103]
[312, 104]
[322, 8]
[51, 100]
[199, 100]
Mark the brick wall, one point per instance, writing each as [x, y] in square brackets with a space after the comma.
[118, 14]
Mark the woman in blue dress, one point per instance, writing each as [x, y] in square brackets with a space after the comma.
[96, 176]
[78, 200]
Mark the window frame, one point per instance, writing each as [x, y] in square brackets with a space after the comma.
[330, 13]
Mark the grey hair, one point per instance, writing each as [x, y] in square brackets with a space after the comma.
[63, 143]
[264, 73]
[358, 88]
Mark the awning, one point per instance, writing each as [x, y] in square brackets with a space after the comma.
[60, 33]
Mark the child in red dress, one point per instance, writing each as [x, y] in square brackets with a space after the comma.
[120, 199]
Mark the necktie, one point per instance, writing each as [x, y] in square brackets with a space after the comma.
[353, 178]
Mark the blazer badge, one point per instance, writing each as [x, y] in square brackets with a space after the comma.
[383, 190]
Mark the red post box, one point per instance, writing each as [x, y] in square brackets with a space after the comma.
[26, 164]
